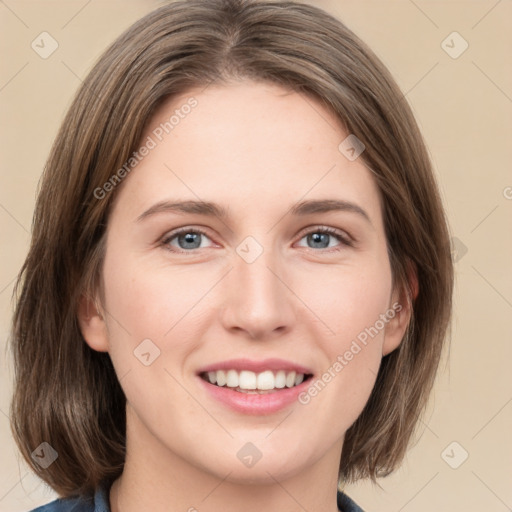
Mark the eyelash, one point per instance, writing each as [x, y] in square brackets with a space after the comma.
[345, 240]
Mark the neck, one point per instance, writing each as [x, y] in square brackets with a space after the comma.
[156, 479]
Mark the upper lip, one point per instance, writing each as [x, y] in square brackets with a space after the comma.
[256, 366]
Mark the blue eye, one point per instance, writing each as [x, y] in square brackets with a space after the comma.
[188, 239]
[320, 237]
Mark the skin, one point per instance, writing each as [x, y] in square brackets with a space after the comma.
[256, 149]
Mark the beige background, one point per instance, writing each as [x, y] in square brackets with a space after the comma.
[463, 106]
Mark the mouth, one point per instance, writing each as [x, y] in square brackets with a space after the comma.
[255, 387]
[253, 383]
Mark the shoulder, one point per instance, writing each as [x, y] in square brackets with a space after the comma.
[345, 504]
[92, 503]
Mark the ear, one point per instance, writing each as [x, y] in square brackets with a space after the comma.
[92, 324]
[402, 306]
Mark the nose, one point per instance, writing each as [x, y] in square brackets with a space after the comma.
[258, 300]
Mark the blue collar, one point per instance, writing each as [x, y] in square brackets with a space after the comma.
[101, 503]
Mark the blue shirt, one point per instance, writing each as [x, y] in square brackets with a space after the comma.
[100, 503]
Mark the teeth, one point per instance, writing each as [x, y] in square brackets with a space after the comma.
[221, 378]
[265, 380]
[280, 380]
[232, 379]
[247, 380]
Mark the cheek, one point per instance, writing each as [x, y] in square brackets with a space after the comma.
[152, 302]
[351, 305]
[147, 303]
[347, 299]
[154, 318]
[337, 302]
[352, 357]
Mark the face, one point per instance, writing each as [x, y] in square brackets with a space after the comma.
[292, 265]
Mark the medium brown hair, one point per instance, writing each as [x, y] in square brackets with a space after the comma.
[68, 394]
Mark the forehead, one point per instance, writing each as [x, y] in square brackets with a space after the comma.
[247, 145]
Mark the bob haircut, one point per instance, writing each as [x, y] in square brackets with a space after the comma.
[67, 394]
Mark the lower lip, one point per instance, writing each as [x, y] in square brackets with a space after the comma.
[254, 403]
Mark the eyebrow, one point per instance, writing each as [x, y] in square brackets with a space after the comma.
[215, 210]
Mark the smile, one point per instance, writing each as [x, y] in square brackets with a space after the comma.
[246, 381]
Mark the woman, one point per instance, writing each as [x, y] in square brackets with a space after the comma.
[240, 278]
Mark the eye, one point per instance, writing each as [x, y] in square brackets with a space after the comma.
[321, 236]
[185, 239]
